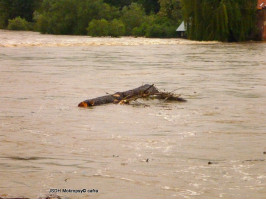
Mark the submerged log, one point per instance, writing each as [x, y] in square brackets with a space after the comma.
[145, 91]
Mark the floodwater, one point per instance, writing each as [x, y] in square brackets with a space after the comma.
[212, 146]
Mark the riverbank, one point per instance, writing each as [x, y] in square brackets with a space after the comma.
[31, 39]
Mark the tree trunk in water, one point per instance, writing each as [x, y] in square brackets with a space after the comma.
[130, 95]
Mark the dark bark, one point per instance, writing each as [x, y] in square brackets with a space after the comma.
[144, 91]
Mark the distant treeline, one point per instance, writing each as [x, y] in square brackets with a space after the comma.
[222, 20]
[149, 18]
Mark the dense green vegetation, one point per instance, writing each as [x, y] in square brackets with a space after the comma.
[10, 9]
[19, 23]
[222, 20]
[150, 18]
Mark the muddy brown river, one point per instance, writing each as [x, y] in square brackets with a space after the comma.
[212, 146]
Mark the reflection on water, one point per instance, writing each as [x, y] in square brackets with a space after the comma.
[210, 147]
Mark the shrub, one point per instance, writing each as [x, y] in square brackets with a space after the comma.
[161, 30]
[98, 27]
[155, 31]
[132, 16]
[170, 31]
[116, 28]
[140, 31]
[18, 23]
[41, 22]
[73, 16]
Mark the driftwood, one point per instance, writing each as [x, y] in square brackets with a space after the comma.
[146, 91]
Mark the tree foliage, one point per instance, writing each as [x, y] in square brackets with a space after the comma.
[132, 16]
[222, 20]
[10, 9]
[72, 16]
[98, 27]
[171, 9]
[150, 6]
[102, 27]
[149, 18]
[19, 23]
[116, 28]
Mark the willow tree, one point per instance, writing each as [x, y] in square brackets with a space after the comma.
[222, 20]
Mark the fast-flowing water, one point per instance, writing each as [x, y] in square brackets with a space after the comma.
[210, 147]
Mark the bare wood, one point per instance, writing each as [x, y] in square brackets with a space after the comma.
[119, 96]
[145, 91]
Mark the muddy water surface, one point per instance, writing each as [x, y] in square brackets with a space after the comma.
[210, 147]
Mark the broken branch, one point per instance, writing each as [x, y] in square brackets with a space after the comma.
[145, 91]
